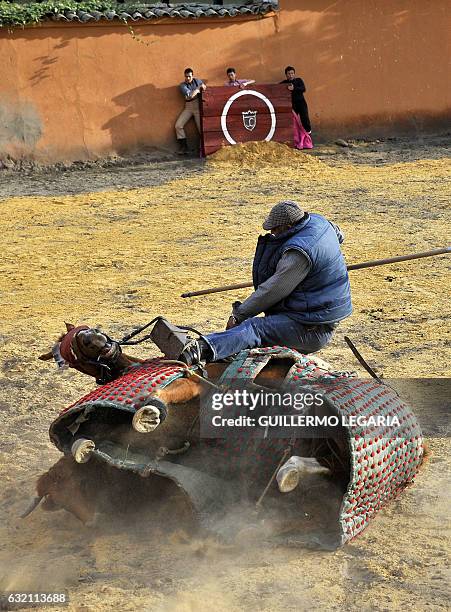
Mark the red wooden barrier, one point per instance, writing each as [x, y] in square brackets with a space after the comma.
[259, 112]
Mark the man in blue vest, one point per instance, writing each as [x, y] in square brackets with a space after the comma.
[301, 285]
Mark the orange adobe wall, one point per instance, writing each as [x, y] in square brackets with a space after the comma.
[371, 67]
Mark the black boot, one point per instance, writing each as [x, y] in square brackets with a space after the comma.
[196, 352]
[183, 147]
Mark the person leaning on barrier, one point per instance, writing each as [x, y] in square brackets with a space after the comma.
[234, 82]
[301, 285]
[297, 87]
[190, 89]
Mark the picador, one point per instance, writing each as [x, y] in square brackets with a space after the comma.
[301, 285]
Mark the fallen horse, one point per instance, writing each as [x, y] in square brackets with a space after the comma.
[144, 432]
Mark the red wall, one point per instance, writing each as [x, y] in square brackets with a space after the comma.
[371, 67]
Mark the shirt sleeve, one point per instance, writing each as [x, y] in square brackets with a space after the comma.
[291, 270]
[184, 89]
[299, 85]
[187, 90]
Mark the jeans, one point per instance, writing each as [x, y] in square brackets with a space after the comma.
[278, 329]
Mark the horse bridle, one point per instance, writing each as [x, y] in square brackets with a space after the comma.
[104, 364]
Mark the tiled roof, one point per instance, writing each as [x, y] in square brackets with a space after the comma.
[188, 10]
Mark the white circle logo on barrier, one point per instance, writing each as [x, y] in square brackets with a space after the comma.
[247, 92]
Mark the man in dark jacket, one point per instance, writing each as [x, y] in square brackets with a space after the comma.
[301, 285]
[296, 86]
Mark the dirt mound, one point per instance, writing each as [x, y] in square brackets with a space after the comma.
[257, 153]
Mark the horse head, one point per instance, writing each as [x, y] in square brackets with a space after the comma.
[89, 351]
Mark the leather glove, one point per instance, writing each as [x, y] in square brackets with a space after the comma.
[233, 320]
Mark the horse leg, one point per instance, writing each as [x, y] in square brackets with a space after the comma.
[179, 392]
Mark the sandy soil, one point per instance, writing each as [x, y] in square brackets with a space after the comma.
[119, 250]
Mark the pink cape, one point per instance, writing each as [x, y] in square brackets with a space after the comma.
[302, 140]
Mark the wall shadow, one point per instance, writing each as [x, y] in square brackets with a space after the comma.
[132, 127]
[135, 126]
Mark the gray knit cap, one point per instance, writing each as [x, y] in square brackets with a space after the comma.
[286, 212]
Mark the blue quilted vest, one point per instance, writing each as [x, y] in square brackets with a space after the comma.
[324, 296]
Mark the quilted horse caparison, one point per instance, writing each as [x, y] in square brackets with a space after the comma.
[383, 457]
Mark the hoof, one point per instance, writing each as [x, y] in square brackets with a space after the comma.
[289, 475]
[146, 419]
[82, 449]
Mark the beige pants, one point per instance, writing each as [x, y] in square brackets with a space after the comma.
[191, 110]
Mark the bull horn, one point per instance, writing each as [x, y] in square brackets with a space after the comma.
[290, 473]
[33, 505]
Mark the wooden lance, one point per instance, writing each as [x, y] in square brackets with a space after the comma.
[358, 266]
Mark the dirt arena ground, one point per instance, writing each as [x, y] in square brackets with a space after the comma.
[115, 246]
